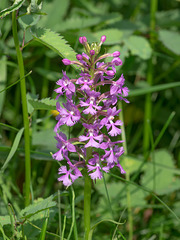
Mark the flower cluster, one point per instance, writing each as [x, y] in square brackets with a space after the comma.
[95, 110]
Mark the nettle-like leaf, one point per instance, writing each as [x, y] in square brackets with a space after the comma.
[159, 175]
[139, 46]
[45, 103]
[55, 42]
[38, 206]
[16, 5]
[170, 40]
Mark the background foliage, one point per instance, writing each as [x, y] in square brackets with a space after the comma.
[50, 32]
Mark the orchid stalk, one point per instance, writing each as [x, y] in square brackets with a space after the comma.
[95, 110]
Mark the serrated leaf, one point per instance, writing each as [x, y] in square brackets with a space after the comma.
[46, 104]
[160, 175]
[16, 5]
[171, 40]
[55, 42]
[139, 46]
[38, 206]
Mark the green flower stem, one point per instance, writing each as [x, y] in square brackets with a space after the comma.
[87, 196]
[128, 193]
[150, 76]
[24, 110]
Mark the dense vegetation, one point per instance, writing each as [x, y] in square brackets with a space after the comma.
[146, 202]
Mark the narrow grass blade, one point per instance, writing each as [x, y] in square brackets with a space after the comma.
[13, 149]
[95, 225]
[73, 214]
[149, 191]
[157, 88]
[3, 234]
[16, 82]
[43, 232]
[8, 126]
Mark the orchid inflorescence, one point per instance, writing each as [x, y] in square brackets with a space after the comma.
[94, 110]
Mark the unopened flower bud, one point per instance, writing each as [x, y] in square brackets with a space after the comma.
[79, 57]
[103, 38]
[66, 61]
[116, 54]
[84, 40]
[80, 40]
[110, 73]
[92, 52]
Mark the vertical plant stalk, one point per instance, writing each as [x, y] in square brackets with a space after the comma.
[24, 110]
[128, 194]
[88, 184]
[87, 196]
[150, 75]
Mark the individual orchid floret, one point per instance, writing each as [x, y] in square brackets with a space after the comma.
[66, 86]
[113, 154]
[108, 122]
[91, 136]
[64, 146]
[68, 115]
[117, 87]
[91, 103]
[69, 176]
[84, 81]
[94, 164]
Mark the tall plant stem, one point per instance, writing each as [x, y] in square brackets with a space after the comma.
[150, 75]
[87, 196]
[24, 110]
[128, 193]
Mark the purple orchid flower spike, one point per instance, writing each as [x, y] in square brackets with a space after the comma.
[91, 102]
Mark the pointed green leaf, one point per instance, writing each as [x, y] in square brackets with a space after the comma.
[46, 103]
[13, 149]
[43, 231]
[55, 42]
[16, 5]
